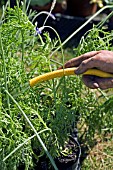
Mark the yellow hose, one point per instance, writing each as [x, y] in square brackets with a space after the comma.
[67, 72]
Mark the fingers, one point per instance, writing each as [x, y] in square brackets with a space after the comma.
[102, 60]
[75, 62]
[87, 64]
[105, 83]
[94, 82]
[90, 82]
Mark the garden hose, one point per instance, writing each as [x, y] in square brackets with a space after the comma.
[67, 72]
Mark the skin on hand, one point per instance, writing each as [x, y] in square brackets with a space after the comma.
[102, 60]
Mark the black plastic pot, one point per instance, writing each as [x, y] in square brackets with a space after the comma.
[81, 8]
[72, 161]
[69, 162]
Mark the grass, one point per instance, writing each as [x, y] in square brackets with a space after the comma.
[101, 156]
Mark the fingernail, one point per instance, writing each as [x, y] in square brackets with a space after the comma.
[96, 85]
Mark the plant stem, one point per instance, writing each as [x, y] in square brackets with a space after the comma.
[37, 135]
[59, 41]
[54, 91]
[40, 13]
[20, 145]
[103, 21]
[4, 70]
[27, 5]
[22, 34]
[24, 6]
[42, 42]
[3, 12]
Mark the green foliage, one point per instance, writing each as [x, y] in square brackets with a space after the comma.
[16, 31]
[54, 107]
[99, 117]
[95, 39]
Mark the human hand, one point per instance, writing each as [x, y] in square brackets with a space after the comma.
[102, 60]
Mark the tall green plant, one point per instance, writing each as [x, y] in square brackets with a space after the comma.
[51, 109]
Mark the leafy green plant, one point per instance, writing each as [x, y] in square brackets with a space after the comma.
[50, 111]
[97, 39]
